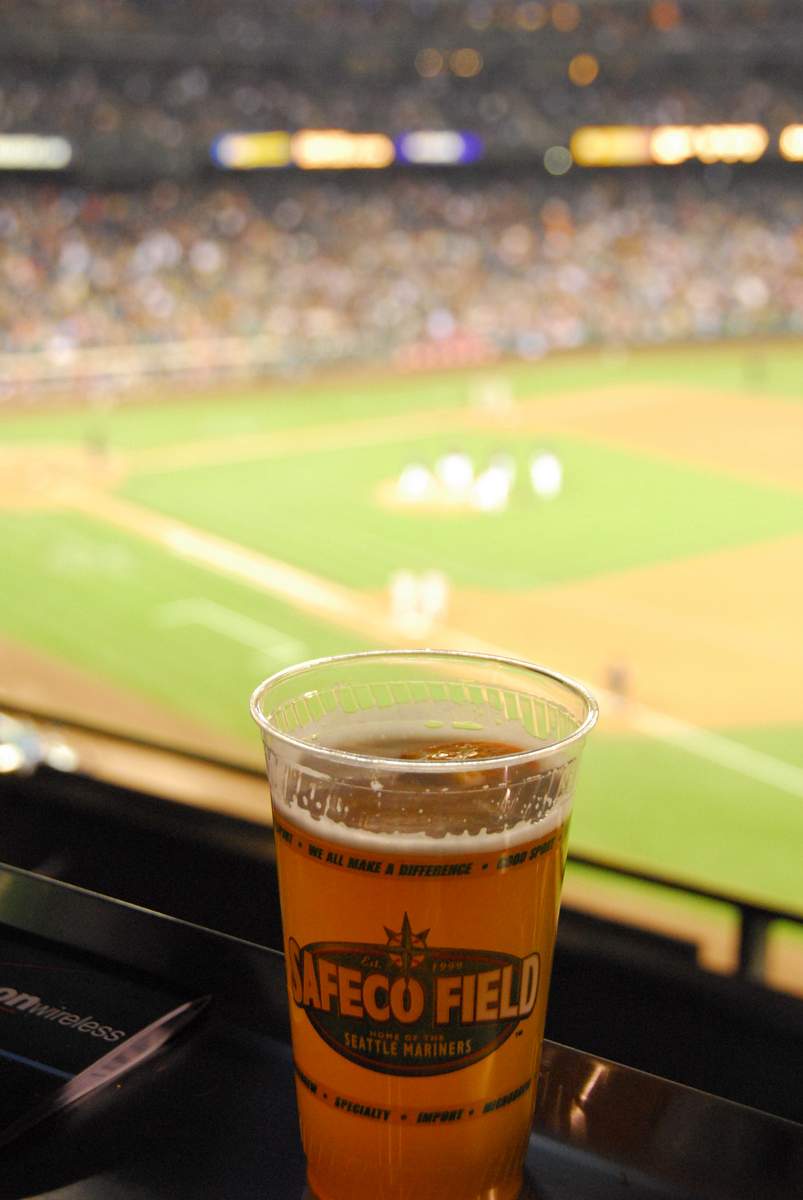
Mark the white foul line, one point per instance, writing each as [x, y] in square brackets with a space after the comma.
[279, 578]
[753, 764]
[245, 630]
[723, 751]
[713, 747]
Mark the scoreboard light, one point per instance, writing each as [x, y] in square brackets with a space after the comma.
[672, 144]
[335, 149]
[441, 147]
[790, 143]
[611, 146]
[33, 152]
[667, 145]
[250, 151]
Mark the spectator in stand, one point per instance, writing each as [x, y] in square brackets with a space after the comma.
[373, 267]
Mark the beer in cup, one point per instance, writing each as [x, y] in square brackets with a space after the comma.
[421, 804]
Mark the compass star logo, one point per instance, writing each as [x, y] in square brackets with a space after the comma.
[405, 948]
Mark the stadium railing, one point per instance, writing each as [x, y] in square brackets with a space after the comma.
[221, 357]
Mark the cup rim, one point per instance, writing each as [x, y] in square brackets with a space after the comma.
[424, 766]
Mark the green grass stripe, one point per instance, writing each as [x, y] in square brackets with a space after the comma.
[215, 415]
[772, 368]
[660, 809]
[782, 741]
[786, 931]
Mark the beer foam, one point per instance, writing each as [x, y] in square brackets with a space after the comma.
[421, 843]
[436, 778]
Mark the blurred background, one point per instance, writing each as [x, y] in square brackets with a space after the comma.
[354, 323]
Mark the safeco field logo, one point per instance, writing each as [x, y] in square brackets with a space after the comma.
[406, 1008]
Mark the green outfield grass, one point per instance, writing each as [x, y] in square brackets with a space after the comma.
[134, 614]
[653, 805]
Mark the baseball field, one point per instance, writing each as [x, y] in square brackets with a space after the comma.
[167, 552]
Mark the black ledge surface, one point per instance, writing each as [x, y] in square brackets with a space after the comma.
[213, 1114]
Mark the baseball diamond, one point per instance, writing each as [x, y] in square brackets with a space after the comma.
[216, 536]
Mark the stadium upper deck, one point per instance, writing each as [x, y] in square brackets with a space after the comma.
[514, 264]
[252, 27]
[520, 73]
[193, 103]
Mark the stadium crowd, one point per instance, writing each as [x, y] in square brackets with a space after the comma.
[373, 267]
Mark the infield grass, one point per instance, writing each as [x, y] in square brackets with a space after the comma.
[617, 510]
